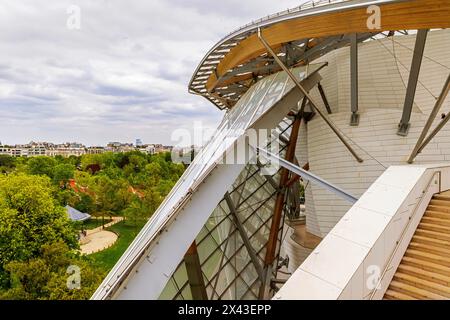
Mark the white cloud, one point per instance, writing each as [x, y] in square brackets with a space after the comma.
[123, 75]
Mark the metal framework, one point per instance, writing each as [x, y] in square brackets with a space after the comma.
[218, 52]
[421, 38]
[224, 83]
[294, 53]
[233, 243]
[309, 97]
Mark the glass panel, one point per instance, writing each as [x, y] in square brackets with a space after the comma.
[228, 270]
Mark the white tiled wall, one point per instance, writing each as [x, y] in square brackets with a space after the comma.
[383, 75]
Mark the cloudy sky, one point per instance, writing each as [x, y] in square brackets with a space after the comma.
[122, 76]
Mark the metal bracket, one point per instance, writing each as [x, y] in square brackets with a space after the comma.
[354, 119]
[403, 129]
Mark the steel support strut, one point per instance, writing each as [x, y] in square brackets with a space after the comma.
[194, 273]
[308, 96]
[354, 120]
[430, 120]
[434, 132]
[324, 98]
[421, 38]
[271, 247]
[306, 175]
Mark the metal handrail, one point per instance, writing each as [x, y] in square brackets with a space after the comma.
[399, 242]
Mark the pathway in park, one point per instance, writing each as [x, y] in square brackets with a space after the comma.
[99, 239]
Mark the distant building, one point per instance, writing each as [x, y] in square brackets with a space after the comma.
[66, 152]
[95, 150]
[37, 150]
[161, 148]
[19, 152]
[113, 145]
[5, 150]
[66, 149]
[148, 149]
[120, 147]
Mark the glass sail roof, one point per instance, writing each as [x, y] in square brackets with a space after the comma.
[253, 105]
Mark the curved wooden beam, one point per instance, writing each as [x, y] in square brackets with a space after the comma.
[415, 14]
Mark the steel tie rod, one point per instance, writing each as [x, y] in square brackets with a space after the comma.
[422, 141]
[308, 96]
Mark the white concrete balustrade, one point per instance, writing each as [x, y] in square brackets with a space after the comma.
[362, 248]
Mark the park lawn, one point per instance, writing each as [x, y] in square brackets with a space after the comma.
[108, 257]
[94, 223]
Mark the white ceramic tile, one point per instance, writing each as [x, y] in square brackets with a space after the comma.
[305, 286]
[374, 265]
[383, 199]
[361, 226]
[402, 177]
[335, 260]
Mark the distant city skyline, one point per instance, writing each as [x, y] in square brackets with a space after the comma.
[5, 143]
[106, 81]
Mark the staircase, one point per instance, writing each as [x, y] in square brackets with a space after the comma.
[424, 272]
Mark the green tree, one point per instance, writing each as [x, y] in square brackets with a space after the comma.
[84, 203]
[74, 160]
[7, 163]
[41, 166]
[46, 276]
[30, 217]
[62, 173]
[135, 213]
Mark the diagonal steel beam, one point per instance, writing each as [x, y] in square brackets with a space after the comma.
[307, 175]
[307, 95]
[194, 273]
[243, 234]
[421, 38]
[434, 133]
[430, 120]
[324, 98]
